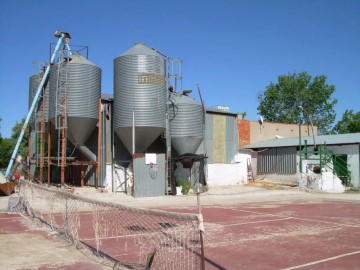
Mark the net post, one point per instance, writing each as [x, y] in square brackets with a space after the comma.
[201, 228]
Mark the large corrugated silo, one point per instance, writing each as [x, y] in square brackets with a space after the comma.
[82, 100]
[187, 124]
[34, 82]
[139, 96]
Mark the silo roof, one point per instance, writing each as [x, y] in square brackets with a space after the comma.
[78, 59]
[179, 98]
[140, 49]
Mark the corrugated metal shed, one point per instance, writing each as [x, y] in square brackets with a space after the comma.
[351, 138]
[277, 160]
[221, 137]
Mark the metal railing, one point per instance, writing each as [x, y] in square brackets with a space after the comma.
[327, 161]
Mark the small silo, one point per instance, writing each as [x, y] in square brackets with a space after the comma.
[139, 96]
[82, 100]
[34, 82]
[187, 123]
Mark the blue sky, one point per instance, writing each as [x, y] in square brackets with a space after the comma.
[232, 49]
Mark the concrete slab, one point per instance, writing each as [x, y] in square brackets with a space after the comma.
[26, 247]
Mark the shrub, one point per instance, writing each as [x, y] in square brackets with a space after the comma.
[185, 184]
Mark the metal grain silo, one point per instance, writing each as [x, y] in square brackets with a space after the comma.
[186, 121]
[139, 91]
[34, 82]
[83, 93]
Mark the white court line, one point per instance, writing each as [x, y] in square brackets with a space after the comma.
[324, 260]
[117, 237]
[308, 219]
[11, 215]
[356, 225]
[260, 221]
[9, 218]
[254, 212]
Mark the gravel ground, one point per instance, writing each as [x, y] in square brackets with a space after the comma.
[220, 195]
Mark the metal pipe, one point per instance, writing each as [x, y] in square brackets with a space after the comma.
[133, 133]
[29, 154]
[87, 152]
[49, 155]
[168, 175]
[300, 162]
[63, 146]
[201, 228]
[112, 150]
[35, 100]
[42, 131]
[99, 146]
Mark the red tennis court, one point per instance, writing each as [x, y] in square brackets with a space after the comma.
[297, 235]
[271, 235]
[303, 234]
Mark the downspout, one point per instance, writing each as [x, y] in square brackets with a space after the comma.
[87, 153]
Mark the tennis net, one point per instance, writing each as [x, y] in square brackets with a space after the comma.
[133, 238]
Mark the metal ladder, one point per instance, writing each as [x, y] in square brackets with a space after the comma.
[39, 128]
[60, 104]
[40, 133]
[174, 79]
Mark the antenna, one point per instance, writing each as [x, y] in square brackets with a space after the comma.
[261, 123]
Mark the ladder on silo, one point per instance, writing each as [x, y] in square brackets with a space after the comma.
[174, 70]
[60, 105]
[39, 136]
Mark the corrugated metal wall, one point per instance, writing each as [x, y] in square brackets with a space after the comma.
[277, 161]
[231, 138]
[219, 142]
[148, 183]
[221, 138]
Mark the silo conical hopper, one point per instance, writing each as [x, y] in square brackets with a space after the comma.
[139, 90]
[186, 121]
[82, 102]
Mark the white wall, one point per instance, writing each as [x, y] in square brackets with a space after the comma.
[219, 174]
[352, 152]
[118, 178]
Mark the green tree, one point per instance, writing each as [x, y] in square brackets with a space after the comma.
[7, 145]
[299, 99]
[349, 123]
[6, 148]
[16, 130]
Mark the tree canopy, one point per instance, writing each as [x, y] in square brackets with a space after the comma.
[299, 99]
[16, 130]
[7, 145]
[349, 123]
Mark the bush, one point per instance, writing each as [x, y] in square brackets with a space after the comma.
[185, 184]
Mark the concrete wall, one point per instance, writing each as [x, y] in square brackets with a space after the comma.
[353, 155]
[228, 174]
[252, 132]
